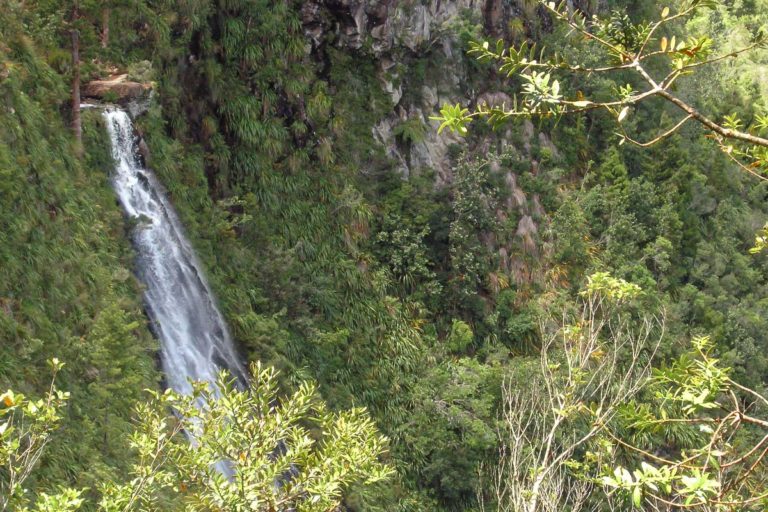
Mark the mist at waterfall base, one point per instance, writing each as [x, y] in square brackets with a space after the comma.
[195, 343]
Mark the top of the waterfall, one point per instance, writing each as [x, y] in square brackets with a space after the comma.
[117, 89]
[134, 108]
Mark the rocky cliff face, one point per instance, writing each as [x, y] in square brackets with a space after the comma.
[410, 23]
[387, 24]
[398, 33]
[402, 35]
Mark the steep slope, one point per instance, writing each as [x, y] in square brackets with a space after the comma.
[347, 240]
[66, 287]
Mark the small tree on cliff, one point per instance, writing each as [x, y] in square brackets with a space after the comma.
[77, 127]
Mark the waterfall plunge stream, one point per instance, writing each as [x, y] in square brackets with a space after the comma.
[195, 343]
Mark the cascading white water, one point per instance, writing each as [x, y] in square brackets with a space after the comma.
[195, 342]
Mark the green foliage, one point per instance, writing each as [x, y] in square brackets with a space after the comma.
[594, 357]
[460, 337]
[251, 450]
[452, 430]
[572, 238]
[65, 283]
[453, 117]
[411, 131]
[224, 448]
[473, 206]
[411, 297]
[693, 394]
[625, 47]
[405, 253]
[141, 71]
[761, 241]
[618, 290]
[26, 427]
[517, 323]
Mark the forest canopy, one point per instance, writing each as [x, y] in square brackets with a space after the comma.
[562, 309]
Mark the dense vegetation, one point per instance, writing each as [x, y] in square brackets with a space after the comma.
[428, 304]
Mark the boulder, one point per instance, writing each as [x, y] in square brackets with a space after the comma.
[429, 98]
[395, 92]
[116, 88]
[412, 27]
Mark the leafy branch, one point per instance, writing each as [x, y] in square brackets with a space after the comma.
[223, 449]
[627, 48]
[587, 419]
[26, 427]
[722, 469]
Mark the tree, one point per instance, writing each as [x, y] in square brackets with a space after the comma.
[649, 53]
[594, 416]
[222, 449]
[588, 368]
[77, 126]
[722, 466]
[26, 427]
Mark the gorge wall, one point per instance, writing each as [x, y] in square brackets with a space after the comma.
[401, 36]
[419, 49]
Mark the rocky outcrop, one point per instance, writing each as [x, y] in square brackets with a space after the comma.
[383, 25]
[397, 34]
[117, 89]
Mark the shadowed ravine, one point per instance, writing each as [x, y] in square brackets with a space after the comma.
[194, 339]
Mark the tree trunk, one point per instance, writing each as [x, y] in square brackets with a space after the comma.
[105, 13]
[77, 126]
[493, 13]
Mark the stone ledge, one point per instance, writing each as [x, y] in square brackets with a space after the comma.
[116, 88]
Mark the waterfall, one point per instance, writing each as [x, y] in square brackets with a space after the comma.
[194, 339]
